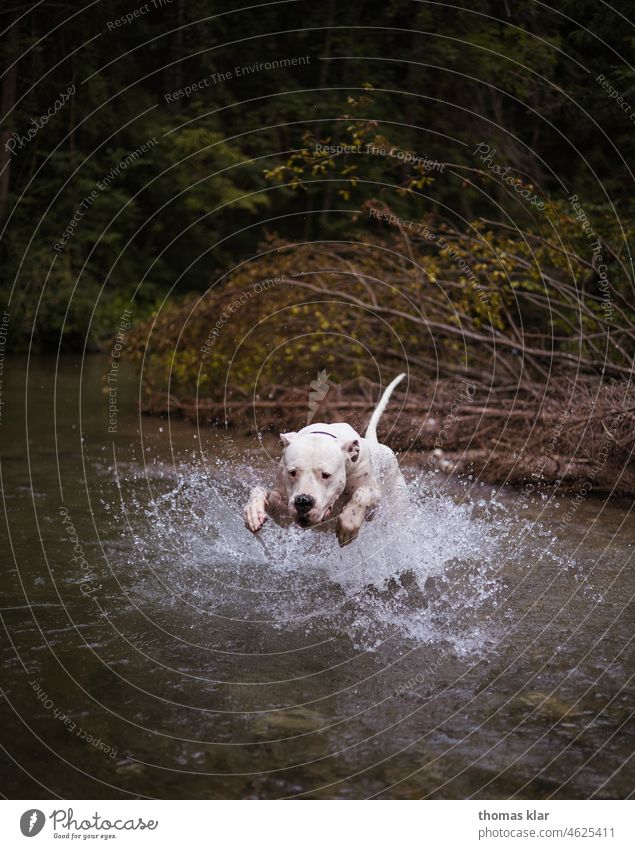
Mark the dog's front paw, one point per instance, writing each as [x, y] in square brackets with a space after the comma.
[347, 530]
[255, 515]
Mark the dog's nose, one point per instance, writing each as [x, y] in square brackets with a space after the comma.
[303, 503]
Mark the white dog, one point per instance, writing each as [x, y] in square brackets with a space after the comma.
[329, 468]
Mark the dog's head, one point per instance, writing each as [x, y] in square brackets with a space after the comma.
[314, 467]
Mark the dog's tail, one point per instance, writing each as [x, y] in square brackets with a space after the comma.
[371, 430]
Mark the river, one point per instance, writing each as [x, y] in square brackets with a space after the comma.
[151, 647]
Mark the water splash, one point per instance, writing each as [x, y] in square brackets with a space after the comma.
[431, 576]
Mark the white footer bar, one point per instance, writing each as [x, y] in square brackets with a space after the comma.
[320, 824]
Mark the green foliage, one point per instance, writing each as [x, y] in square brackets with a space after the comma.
[423, 79]
[458, 301]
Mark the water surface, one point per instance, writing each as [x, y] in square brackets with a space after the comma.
[480, 647]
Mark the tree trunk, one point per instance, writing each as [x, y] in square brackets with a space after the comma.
[7, 102]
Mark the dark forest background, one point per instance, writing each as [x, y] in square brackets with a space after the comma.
[223, 243]
[439, 80]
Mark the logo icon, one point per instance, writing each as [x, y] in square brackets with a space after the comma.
[320, 389]
[32, 822]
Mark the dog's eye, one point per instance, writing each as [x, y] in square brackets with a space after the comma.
[326, 475]
[292, 473]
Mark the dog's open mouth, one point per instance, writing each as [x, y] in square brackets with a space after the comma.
[306, 522]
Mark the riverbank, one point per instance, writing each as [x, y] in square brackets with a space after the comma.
[573, 435]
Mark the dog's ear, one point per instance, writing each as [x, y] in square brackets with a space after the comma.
[287, 438]
[351, 450]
